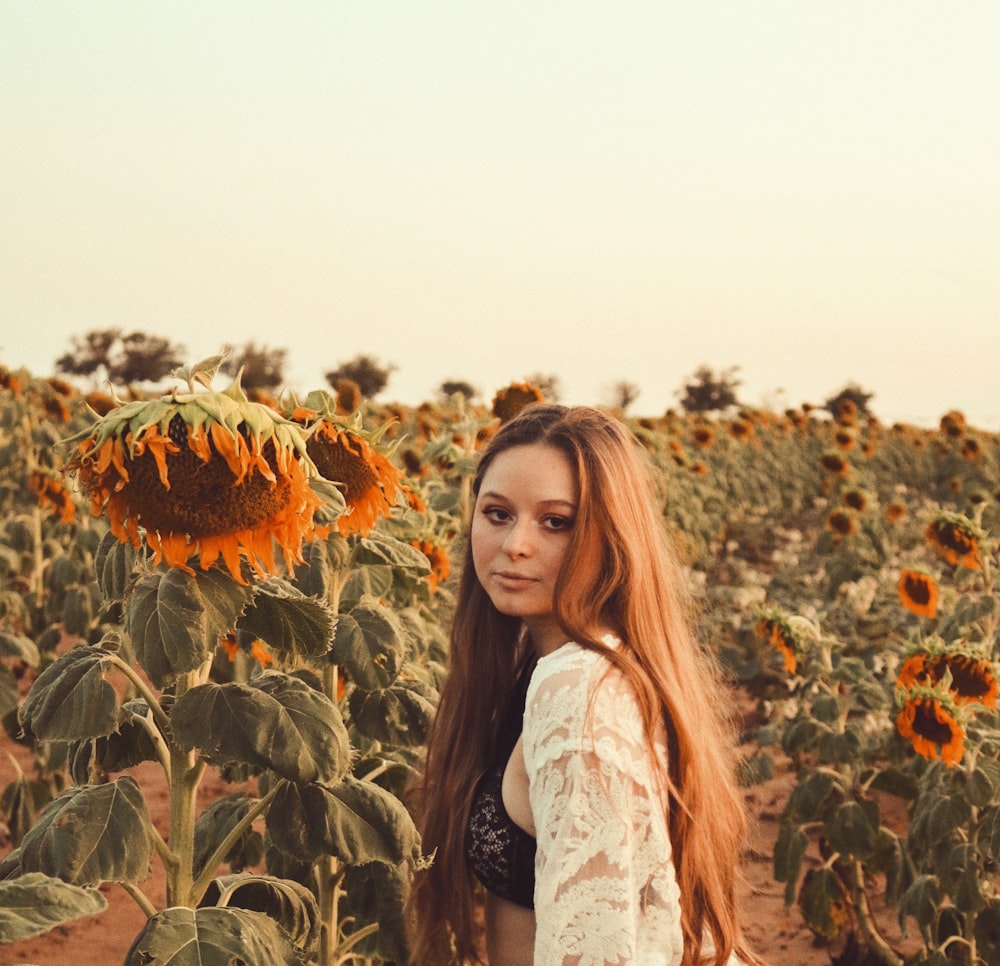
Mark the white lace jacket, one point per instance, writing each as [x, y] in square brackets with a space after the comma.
[605, 889]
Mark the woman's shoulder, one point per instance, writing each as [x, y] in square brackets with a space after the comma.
[571, 665]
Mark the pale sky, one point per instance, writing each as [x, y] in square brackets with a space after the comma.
[808, 190]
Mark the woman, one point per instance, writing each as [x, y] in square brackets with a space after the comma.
[578, 765]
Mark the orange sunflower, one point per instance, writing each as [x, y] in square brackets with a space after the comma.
[348, 458]
[918, 592]
[204, 474]
[834, 463]
[775, 629]
[969, 678]
[437, 556]
[53, 494]
[955, 539]
[929, 721]
[510, 400]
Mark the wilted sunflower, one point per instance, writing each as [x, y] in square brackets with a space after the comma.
[929, 721]
[202, 473]
[437, 556]
[347, 456]
[918, 592]
[955, 539]
[53, 494]
[776, 630]
[969, 677]
[510, 400]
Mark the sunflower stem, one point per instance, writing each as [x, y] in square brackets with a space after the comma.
[216, 858]
[876, 941]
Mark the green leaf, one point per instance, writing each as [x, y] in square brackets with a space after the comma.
[987, 932]
[896, 782]
[113, 565]
[823, 901]
[70, 699]
[380, 548]
[849, 830]
[370, 644]
[807, 798]
[356, 821]
[400, 715]
[289, 903]
[369, 581]
[176, 619]
[314, 574]
[18, 646]
[35, 903]
[288, 620]
[376, 892]
[212, 937]
[77, 611]
[921, 901]
[276, 720]
[789, 848]
[92, 834]
[215, 823]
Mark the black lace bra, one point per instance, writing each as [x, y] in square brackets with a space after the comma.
[500, 852]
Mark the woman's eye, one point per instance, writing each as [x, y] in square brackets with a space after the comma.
[496, 514]
[558, 523]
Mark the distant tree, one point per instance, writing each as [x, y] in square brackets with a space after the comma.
[708, 391]
[851, 394]
[623, 394]
[449, 387]
[549, 384]
[136, 357]
[263, 368]
[89, 353]
[370, 376]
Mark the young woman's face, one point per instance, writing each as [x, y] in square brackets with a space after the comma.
[520, 532]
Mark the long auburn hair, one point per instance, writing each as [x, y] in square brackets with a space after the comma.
[618, 573]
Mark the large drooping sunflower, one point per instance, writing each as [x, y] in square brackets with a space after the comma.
[776, 629]
[348, 457]
[201, 474]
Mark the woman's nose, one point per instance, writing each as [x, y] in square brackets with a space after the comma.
[517, 542]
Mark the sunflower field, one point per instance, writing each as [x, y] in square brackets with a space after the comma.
[253, 595]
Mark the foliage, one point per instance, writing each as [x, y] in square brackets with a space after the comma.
[261, 366]
[845, 575]
[134, 357]
[709, 391]
[366, 372]
[854, 396]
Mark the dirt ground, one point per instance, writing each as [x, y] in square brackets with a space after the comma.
[776, 932]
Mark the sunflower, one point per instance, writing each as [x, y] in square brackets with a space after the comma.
[855, 499]
[971, 449]
[776, 630]
[955, 539]
[930, 722]
[204, 474]
[741, 428]
[53, 494]
[509, 401]
[918, 592]
[968, 676]
[844, 438]
[437, 556]
[257, 649]
[368, 481]
[703, 436]
[842, 523]
[953, 423]
[895, 512]
[834, 463]
[845, 412]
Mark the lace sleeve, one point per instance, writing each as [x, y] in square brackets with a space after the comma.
[605, 889]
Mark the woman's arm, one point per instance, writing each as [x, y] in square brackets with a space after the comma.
[605, 891]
